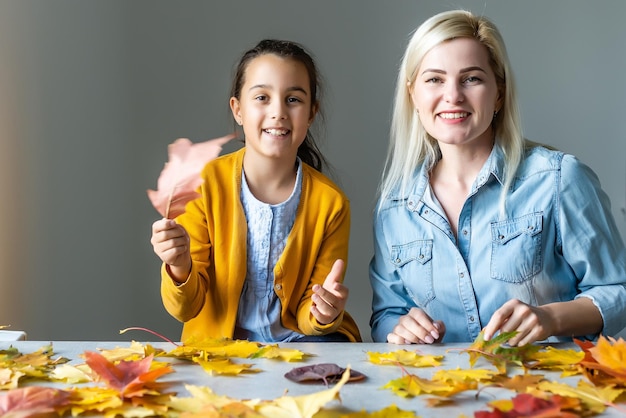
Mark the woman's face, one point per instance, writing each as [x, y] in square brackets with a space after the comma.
[456, 94]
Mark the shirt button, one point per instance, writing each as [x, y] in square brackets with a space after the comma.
[471, 318]
[461, 275]
[465, 232]
[426, 212]
[421, 256]
[398, 260]
[279, 286]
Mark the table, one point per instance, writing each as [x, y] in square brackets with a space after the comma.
[270, 383]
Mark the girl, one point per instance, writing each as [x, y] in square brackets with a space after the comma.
[477, 227]
[261, 255]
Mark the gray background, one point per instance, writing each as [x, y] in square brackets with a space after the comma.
[92, 92]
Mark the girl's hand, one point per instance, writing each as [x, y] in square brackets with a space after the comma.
[417, 327]
[532, 323]
[330, 299]
[170, 243]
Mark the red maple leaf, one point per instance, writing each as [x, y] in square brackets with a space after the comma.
[129, 378]
[30, 401]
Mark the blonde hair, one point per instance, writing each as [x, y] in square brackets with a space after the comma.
[410, 145]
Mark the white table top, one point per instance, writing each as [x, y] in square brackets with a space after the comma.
[270, 383]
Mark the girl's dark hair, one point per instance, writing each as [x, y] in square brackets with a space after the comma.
[308, 150]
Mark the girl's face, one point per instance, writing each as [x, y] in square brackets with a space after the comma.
[456, 94]
[275, 106]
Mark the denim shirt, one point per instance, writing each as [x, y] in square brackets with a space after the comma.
[557, 241]
[258, 315]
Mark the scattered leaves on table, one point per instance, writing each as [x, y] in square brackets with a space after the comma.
[526, 405]
[496, 352]
[16, 367]
[322, 372]
[32, 401]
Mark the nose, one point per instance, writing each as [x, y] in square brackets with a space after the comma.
[279, 110]
[453, 93]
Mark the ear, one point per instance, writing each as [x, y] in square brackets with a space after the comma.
[409, 86]
[499, 100]
[236, 109]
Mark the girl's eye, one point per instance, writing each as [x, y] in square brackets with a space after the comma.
[293, 100]
[260, 97]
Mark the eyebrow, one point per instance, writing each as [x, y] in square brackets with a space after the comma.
[463, 70]
[265, 86]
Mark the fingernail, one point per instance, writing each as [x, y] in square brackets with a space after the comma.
[436, 325]
[435, 334]
[429, 339]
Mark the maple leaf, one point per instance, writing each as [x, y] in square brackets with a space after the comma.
[595, 399]
[31, 401]
[526, 405]
[464, 375]
[605, 363]
[497, 352]
[273, 351]
[552, 358]
[223, 366]
[405, 358]
[15, 366]
[411, 385]
[180, 178]
[392, 411]
[129, 378]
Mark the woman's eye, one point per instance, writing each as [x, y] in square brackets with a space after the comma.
[433, 80]
[472, 80]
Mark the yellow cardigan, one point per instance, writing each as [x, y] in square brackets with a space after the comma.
[207, 302]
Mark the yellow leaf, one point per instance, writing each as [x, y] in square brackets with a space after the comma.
[224, 366]
[404, 358]
[464, 375]
[275, 352]
[392, 411]
[596, 399]
[555, 359]
[411, 385]
[72, 374]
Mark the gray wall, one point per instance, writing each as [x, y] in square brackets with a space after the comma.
[91, 93]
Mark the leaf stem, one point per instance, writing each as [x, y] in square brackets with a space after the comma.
[164, 338]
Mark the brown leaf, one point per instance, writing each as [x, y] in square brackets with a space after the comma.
[180, 177]
[322, 372]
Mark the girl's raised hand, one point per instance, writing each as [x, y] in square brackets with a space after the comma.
[330, 299]
[170, 243]
[417, 327]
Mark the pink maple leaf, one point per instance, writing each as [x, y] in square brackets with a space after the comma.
[180, 178]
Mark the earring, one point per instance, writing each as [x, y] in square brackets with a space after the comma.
[495, 113]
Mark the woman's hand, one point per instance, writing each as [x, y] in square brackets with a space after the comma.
[417, 327]
[329, 300]
[532, 323]
[170, 243]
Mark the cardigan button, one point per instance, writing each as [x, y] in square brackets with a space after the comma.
[279, 286]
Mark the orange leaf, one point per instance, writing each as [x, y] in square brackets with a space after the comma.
[180, 177]
[129, 378]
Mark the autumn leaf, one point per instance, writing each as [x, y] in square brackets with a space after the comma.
[273, 351]
[595, 399]
[526, 405]
[565, 360]
[498, 353]
[178, 182]
[129, 378]
[223, 366]
[605, 363]
[392, 411]
[323, 372]
[404, 358]
[464, 375]
[411, 385]
[15, 366]
[519, 383]
[30, 401]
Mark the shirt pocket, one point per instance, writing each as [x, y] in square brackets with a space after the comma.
[516, 248]
[414, 267]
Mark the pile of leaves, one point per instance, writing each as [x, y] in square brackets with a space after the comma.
[125, 381]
